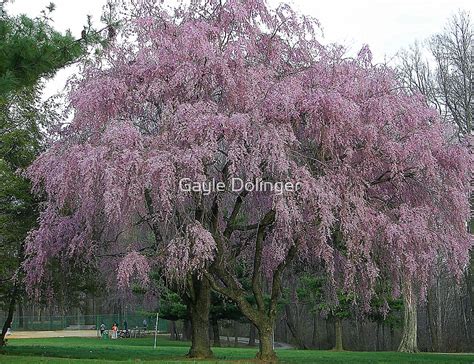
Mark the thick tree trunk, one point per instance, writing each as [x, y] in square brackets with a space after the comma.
[252, 334]
[11, 310]
[199, 307]
[266, 352]
[263, 315]
[216, 336]
[409, 334]
[338, 329]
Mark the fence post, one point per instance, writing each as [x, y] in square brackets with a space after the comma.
[156, 329]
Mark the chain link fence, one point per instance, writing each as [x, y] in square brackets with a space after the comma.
[138, 321]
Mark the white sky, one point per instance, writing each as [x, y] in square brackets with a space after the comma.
[385, 25]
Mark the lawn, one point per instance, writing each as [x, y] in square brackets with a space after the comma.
[91, 350]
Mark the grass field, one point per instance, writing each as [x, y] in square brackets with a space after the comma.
[92, 350]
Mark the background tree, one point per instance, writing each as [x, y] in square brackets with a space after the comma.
[173, 308]
[453, 53]
[385, 311]
[30, 52]
[19, 144]
[312, 291]
[441, 69]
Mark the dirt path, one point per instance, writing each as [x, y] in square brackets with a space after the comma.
[58, 333]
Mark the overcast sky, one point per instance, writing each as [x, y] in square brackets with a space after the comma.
[385, 25]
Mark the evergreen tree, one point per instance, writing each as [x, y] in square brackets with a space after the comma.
[31, 51]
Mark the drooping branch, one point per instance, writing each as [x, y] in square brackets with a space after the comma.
[153, 225]
[276, 283]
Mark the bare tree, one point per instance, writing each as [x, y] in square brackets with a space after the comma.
[453, 53]
[417, 75]
[442, 70]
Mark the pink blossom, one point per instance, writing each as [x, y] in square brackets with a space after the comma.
[246, 91]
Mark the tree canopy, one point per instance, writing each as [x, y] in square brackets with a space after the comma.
[221, 90]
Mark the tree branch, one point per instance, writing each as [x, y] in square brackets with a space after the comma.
[257, 263]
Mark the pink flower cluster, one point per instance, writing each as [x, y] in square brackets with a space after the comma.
[214, 91]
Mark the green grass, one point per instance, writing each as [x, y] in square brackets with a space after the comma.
[91, 350]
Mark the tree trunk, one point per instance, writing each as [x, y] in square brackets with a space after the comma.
[252, 335]
[293, 329]
[431, 321]
[392, 336]
[215, 332]
[21, 319]
[377, 337]
[338, 330]
[11, 310]
[187, 330]
[199, 306]
[469, 279]
[383, 336]
[172, 328]
[266, 352]
[15, 291]
[466, 321]
[363, 342]
[439, 317]
[409, 334]
[236, 334]
[329, 336]
[315, 331]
